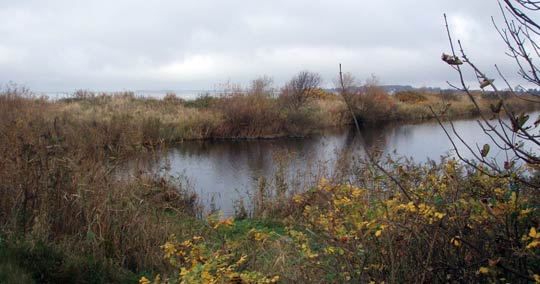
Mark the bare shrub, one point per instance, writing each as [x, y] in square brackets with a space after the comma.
[410, 97]
[202, 101]
[449, 96]
[172, 98]
[262, 86]
[371, 102]
[250, 113]
[300, 89]
[256, 113]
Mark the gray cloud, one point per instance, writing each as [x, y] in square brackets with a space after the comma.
[191, 44]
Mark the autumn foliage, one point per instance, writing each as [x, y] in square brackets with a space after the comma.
[460, 226]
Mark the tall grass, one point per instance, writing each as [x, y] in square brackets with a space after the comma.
[371, 105]
[122, 121]
[60, 186]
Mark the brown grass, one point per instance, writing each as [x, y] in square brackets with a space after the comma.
[48, 144]
[371, 105]
[59, 159]
[59, 184]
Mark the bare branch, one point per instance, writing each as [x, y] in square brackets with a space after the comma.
[368, 153]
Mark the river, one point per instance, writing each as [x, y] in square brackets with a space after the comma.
[222, 172]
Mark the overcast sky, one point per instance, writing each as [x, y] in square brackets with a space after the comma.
[64, 45]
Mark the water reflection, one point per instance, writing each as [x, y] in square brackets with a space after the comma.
[224, 171]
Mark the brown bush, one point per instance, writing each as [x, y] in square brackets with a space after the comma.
[371, 103]
[255, 113]
[410, 97]
[171, 98]
[302, 87]
[449, 96]
[248, 116]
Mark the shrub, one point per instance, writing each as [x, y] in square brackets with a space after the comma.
[173, 99]
[255, 113]
[449, 96]
[410, 97]
[248, 115]
[300, 89]
[202, 101]
[451, 225]
[371, 103]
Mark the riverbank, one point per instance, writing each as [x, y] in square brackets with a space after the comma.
[253, 113]
[446, 225]
[60, 158]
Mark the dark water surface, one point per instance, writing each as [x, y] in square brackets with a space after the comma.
[224, 171]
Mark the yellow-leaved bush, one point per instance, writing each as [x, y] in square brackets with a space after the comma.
[203, 260]
[445, 224]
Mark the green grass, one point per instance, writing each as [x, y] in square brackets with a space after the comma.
[242, 227]
[39, 262]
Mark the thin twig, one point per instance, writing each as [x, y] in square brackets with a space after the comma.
[364, 145]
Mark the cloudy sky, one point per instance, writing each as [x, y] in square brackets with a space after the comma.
[64, 45]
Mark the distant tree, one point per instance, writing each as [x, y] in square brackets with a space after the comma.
[300, 88]
[262, 86]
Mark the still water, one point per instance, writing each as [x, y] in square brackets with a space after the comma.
[222, 172]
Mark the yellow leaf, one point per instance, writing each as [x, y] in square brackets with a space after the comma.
[378, 233]
[144, 280]
[260, 237]
[536, 278]
[356, 192]
[455, 241]
[242, 259]
[513, 198]
[493, 263]
[206, 276]
[439, 215]
[533, 244]
[227, 222]
[533, 233]
[313, 255]
[483, 270]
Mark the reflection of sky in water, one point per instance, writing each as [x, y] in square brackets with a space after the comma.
[224, 171]
[428, 141]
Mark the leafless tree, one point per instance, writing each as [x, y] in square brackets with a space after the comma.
[262, 86]
[300, 88]
[509, 129]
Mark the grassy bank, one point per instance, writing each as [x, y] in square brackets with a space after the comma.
[123, 120]
[61, 192]
[68, 216]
